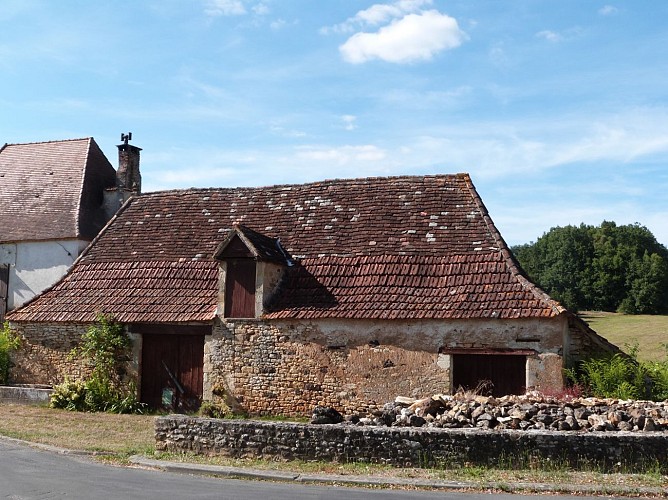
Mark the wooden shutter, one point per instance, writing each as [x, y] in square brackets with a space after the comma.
[240, 288]
[4, 290]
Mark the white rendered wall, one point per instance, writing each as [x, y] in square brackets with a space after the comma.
[34, 266]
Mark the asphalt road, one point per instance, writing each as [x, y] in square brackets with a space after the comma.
[29, 473]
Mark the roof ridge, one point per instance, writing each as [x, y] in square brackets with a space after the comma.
[333, 181]
[47, 142]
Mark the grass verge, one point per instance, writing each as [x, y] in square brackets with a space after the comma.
[120, 436]
[540, 473]
[98, 432]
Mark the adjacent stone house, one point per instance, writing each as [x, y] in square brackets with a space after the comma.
[343, 293]
[54, 198]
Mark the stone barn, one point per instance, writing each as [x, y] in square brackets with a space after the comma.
[343, 293]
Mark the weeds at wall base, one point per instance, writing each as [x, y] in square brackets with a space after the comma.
[559, 477]
[528, 462]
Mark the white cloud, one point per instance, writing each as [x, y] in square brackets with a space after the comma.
[261, 9]
[381, 13]
[565, 35]
[493, 150]
[288, 133]
[498, 56]
[266, 166]
[550, 36]
[278, 24]
[349, 122]
[225, 8]
[342, 155]
[454, 98]
[413, 37]
[608, 10]
[376, 15]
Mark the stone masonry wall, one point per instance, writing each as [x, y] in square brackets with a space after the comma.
[43, 355]
[288, 368]
[265, 371]
[401, 446]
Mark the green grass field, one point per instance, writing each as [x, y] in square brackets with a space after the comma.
[649, 332]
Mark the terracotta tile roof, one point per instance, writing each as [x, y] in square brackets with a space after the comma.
[407, 287]
[146, 292]
[406, 247]
[52, 190]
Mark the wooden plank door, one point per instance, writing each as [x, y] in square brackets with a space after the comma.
[172, 371]
[4, 291]
[240, 288]
[505, 372]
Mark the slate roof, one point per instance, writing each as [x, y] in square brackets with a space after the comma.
[413, 247]
[52, 190]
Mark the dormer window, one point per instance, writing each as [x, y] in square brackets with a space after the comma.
[252, 264]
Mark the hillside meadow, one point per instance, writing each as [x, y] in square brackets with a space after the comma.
[650, 332]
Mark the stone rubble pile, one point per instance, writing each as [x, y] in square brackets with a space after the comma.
[529, 412]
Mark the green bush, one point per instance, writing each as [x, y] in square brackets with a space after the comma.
[106, 347]
[91, 396]
[214, 410]
[9, 342]
[70, 395]
[658, 373]
[622, 377]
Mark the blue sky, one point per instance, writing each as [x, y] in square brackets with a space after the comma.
[557, 109]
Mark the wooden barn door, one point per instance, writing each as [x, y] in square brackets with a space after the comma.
[4, 291]
[172, 371]
[506, 373]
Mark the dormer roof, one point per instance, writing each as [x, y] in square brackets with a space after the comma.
[260, 246]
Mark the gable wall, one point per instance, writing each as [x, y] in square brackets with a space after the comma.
[36, 265]
[289, 367]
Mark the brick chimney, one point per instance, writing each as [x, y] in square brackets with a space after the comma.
[128, 175]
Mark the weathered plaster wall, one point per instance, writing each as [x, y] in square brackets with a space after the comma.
[356, 366]
[36, 265]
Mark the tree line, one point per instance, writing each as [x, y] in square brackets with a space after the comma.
[601, 268]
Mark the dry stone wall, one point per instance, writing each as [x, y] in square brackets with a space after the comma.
[407, 446]
[43, 355]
